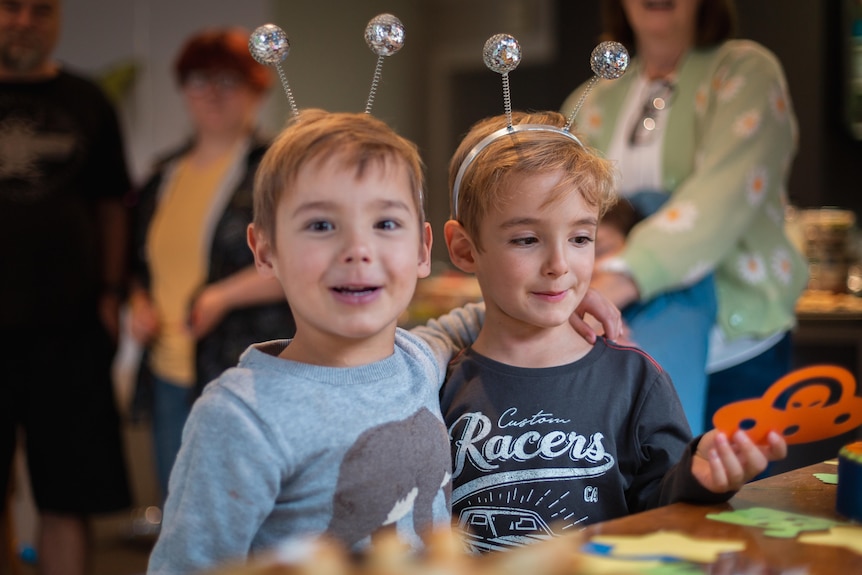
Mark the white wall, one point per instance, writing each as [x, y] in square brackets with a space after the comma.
[99, 34]
[329, 64]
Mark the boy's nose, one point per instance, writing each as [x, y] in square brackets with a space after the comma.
[357, 257]
[357, 250]
[555, 263]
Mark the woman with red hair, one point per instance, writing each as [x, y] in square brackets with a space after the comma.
[197, 302]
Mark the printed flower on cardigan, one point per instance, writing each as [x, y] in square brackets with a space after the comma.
[747, 124]
[756, 185]
[680, 217]
[780, 104]
[592, 121]
[751, 268]
[782, 265]
[701, 99]
[730, 88]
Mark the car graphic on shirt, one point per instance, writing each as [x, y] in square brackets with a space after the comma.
[488, 528]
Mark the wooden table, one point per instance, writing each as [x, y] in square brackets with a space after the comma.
[796, 491]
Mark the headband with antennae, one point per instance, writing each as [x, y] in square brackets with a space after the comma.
[385, 36]
[502, 54]
[270, 45]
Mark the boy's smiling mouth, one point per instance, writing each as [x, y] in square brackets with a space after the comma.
[355, 291]
[552, 295]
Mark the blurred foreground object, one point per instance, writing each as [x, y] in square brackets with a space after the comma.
[388, 555]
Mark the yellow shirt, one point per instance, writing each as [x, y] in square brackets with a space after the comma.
[178, 263]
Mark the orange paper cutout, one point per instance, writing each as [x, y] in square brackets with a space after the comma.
[805, 405]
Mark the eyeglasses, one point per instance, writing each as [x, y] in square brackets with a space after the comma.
[644, 129]
[198, 82]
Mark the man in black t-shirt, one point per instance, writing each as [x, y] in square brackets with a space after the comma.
[63, 240]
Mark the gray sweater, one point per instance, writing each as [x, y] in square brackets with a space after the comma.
[276, 449]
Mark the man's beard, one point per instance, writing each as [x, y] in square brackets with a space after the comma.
[21, 58]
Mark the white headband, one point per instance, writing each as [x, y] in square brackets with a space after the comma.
[486, 141]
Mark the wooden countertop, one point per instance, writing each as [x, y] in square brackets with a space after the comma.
[796, 491]
[815, 304]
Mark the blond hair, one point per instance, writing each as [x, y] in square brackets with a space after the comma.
[484, 184]
[356, 140]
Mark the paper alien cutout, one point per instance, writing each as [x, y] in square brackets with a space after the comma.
[774, 522]
[806, 405]
[827, 478]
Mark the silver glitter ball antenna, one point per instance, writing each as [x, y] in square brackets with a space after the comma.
[269, 44]
[384, 34]
[609, 60]
[502, 53]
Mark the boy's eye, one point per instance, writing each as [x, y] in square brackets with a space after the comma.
[321, 226]
[581, 240]
[388, 225]
[524, 241]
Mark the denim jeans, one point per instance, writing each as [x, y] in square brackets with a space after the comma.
[674, 329]
[171, 406]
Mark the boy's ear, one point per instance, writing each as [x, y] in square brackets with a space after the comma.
[461, 249]
[425, 251]
[262, 251]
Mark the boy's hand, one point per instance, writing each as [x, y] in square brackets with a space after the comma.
[601, 308]
[722, 465]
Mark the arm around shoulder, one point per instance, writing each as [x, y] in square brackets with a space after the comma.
[452, 332]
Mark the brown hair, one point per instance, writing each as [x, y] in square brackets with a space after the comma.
[355, 139]
[483, 185]
[222, 49]
[716, 22]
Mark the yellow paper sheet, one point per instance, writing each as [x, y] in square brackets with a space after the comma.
[839, 536]
[668, 544]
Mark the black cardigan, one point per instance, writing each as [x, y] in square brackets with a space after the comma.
[228, 254]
